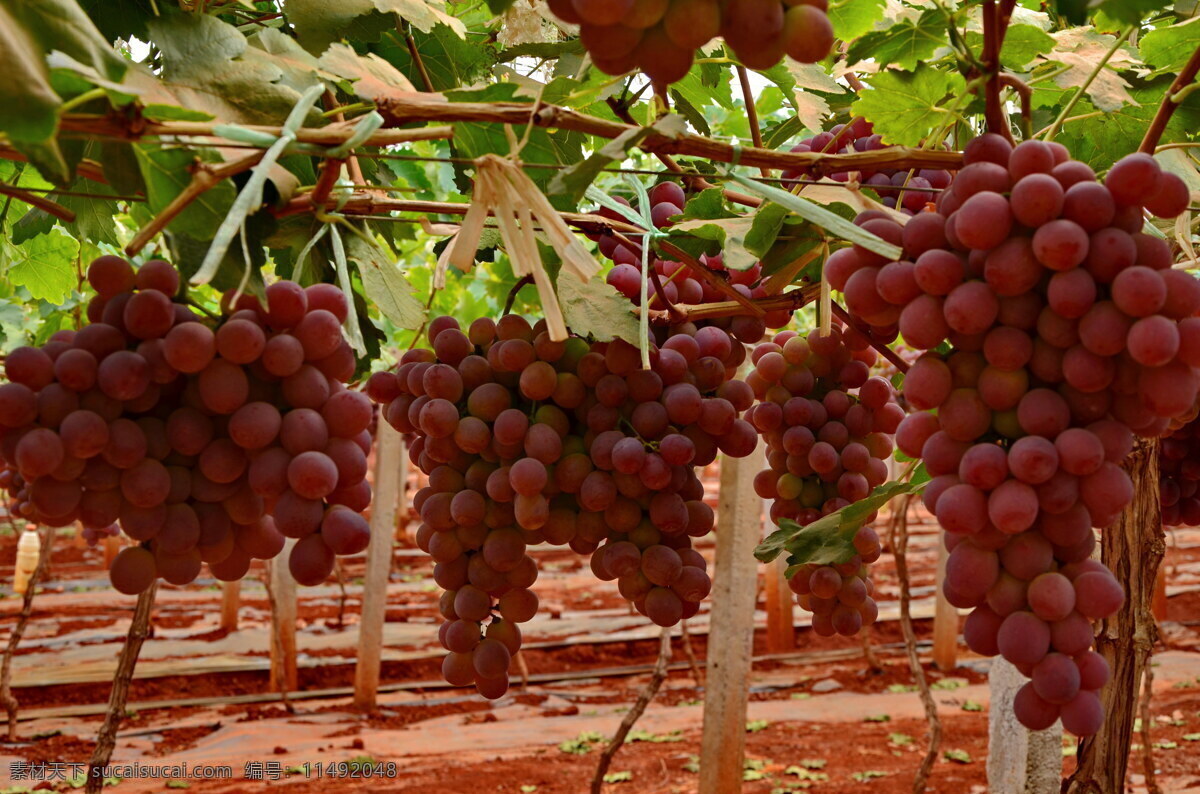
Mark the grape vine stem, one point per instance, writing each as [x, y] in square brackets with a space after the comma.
[106, 739]
[40, 202]
[899, 543]
[635, 712]
[523, 282]
[400, 109]
[14, 638]
[1171, 100]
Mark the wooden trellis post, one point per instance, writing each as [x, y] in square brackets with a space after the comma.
[945, 619]
[282, 593]
[231, 599]
[781, 630]
[731, 634]
[391, 476]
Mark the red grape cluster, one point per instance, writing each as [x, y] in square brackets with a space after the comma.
[1179, 476]
[526, 441]
[827, 424]
[204, 445]
[1068, 333]
[911, 191]
[680, 285]
[661, 36]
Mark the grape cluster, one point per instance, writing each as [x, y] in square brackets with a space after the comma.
[1068, 333]
[206, 446]
[827, 424]
[661, 36]
[1179, 476]
[527, 440]
[909, 191]
[680, 285]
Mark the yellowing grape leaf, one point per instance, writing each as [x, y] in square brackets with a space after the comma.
[1081, 49]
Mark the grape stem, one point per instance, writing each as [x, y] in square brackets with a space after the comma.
[1147, 748]
[1026, 95]
[656, 280]
[995, 25]
[416, 57]
[523, 282]
[884, 350]
[635, 712]
[751, 112]
[40, 202]
[1171, 100]
[106, 739]
[898, 540]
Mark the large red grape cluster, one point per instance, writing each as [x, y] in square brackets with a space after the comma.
[1068, 333]
[527, 441]
[908, 190]
[680, 285]
[205, 446]
[827, 424]
[660, 37]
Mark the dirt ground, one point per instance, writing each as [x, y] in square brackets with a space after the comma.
[820, 720]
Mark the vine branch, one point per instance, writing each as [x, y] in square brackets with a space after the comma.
[40, 202]
[1171, 100]
[14, 638]
[106, 740]
[899, 532]
[634, 713]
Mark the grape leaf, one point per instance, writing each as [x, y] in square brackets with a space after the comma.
[1081, 49]
[449, 61]
[573, 181]
[1022, 44]
[731, 233]
[385, 285]
[1168, 48]
[319, 23]
[1128, 12]
[372, 76]
[166, 174]
[906, 106]
[44, 265]
[595, 309]
[907, 43]
[830, 539]
[854, 18]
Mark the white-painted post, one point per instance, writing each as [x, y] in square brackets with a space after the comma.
[731, 632]
[391, 476]
[1020, 761]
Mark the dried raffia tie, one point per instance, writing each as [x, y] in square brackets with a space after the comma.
[502, 189]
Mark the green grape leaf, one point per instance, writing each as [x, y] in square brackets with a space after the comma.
[44, 265]
[595, 310]
[830, 539]
[730, 233]
[1168, 48]
[166, 174]
[854, 18]
[319, 23]
[906, 106]
[907, 43]
[385, 285]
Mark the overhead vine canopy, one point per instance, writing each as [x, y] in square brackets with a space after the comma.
[134, 125]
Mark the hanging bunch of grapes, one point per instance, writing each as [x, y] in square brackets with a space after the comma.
[908, 190]
[1179, 474]
[828, 426]
[660, 37]
[204, 444]
[680, 285]
[1068, 333]
[526, 440]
